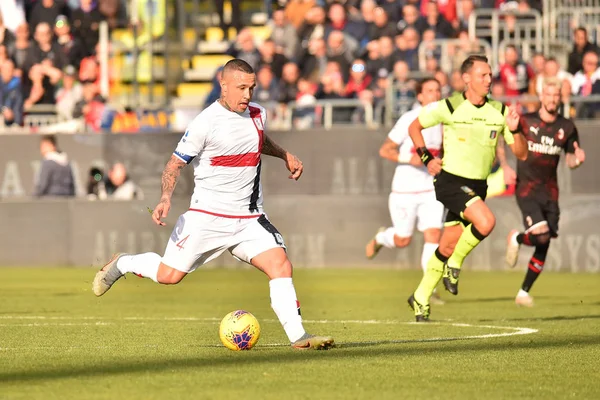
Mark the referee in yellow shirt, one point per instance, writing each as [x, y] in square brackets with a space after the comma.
[471, 124]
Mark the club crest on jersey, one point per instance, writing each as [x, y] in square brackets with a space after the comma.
[561, 134]
[493, 134]
[258, 123]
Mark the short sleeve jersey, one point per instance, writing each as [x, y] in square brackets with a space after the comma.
[224, 148]
[537, 175]
[470, 133]
[408, 178]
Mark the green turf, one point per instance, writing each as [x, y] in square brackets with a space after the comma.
[145, 341]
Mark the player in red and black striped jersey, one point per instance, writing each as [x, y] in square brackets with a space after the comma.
[548, 134]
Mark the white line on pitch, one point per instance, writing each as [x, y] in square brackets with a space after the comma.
[101, 322]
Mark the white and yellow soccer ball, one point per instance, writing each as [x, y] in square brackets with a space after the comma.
[239, 330]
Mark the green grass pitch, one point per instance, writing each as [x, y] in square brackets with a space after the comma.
[145, 341]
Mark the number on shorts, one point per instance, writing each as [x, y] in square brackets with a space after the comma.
[182, 242]
[271, 229]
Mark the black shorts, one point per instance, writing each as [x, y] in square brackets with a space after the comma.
[456, 194]
[536, 210]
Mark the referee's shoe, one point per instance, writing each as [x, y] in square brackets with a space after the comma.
[451, 279]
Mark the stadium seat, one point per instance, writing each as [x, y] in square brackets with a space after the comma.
[193, 89]
[215, 34]
[205, 66]
[212, 61]
[260, 33]
[125, 65]
[126, 89]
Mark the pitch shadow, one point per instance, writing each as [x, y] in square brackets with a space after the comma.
[353, 350]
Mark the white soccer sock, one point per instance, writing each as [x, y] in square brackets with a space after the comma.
[285, 304]
[386, 238]
[145, 265]
[522, 293]
[428, 250]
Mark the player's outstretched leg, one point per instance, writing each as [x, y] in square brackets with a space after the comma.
[483, 222]
[275, 264]
[107, 276]
[383, 237]
[144, 265]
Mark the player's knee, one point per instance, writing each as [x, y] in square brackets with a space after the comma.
[432, 235]
[401, 241]
[485, 225]
[446, 249]
[169, 276]
[279, 268]
[543, 238]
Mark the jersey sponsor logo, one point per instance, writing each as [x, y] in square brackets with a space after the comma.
[534, 130]
[544, 148]
[493, 134]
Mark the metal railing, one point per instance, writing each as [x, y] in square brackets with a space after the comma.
[485, 23]
[562, 16]
[449, 48]
[328, 107]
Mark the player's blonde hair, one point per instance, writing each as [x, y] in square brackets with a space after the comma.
[552, 82]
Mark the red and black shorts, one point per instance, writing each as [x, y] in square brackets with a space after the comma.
[538, 210]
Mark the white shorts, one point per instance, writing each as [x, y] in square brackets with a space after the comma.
[198, 238]
[406, 208]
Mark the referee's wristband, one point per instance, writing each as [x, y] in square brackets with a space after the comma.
[519, 130]
[426, 156]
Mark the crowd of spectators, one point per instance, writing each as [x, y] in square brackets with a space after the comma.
[347, 49]
[318, 49]
[48, 57]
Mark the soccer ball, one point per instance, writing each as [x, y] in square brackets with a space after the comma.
[239, 330]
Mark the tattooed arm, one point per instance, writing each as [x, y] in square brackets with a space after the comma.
[270, 148]
[292, 163]
[169, 180]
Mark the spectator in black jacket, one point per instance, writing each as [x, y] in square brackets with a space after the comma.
[72, 46]
[86, 24]
[56, 176]
[582, 45]
[46, 11]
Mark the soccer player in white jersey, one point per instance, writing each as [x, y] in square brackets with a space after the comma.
[224, 144]
[413, 196]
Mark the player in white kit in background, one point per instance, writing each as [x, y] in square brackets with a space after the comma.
[413, 196]
[224, 144]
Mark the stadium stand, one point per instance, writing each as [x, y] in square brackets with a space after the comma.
[82, 65]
